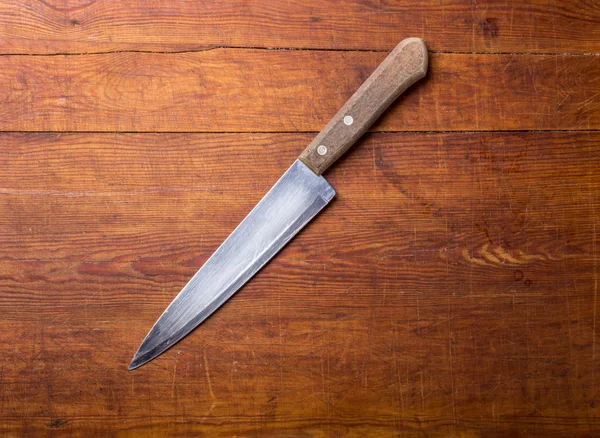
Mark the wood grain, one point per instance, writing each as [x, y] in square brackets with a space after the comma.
[449, 290]
[536, 26]
[458, 298]
[288, 91]
[404, 66]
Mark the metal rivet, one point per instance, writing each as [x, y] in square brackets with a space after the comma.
[348, 120]
[322, 150]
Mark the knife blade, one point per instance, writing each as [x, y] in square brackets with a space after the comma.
[299, 195]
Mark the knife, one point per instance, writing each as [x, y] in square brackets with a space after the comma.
[290, 204]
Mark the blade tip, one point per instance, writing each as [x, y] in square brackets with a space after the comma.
[136, 362]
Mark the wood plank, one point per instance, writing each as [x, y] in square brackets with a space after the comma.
[281, 91]
[459, 297]
[540, 26]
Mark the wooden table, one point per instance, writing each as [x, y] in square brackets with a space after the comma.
[451, 289]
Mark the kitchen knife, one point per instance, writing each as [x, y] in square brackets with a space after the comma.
[290, 204]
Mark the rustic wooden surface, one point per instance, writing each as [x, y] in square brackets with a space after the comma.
[450, 289]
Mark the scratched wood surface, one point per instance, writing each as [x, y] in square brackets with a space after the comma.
[68, 26]
[450, 289]
[226, 90]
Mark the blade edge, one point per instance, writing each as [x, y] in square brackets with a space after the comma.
[148, 349]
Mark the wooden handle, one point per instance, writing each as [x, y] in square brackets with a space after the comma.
[405, 65]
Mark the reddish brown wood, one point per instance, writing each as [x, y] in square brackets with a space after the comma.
[450, 289]
[539, 26]
[259, 90]
[459, 296]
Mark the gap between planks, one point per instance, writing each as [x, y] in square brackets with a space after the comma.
[294, 49]
[499, 131]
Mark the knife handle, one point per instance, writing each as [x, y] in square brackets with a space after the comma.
[405, 65]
